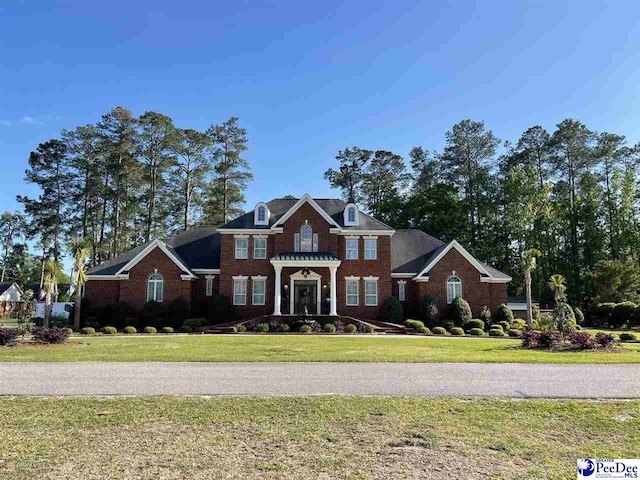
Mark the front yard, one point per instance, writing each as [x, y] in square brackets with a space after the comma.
[309, 438]
[301, 348]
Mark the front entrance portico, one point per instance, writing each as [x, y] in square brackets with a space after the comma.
[299, 296]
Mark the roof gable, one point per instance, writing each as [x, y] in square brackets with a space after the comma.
[169, 252]
[306, 199]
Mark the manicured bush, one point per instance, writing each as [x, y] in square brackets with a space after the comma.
[564, 318]
[123, 314]
[69, 331]
[448, 325]
[150, 330]
[283, 327]
[496, 332]
[220, 310]
[262, 327]
[485, 315]
[8, 336]
[635, 319]
[627, 337]
[457, 331]
[179, 310]
[514, 332]
[167, 330]
[504, 314]
[194, 322]
[439, 331]
[155, 313]
[581, 341]
[605, 340]
[506, 326]
[579, 315]
[414, 324]
[129, 330]
[307, 328]
[429, 311]
[88, 331]
[350, 328]
[518, 324]
[460, 312]
[366, 328]
[476, 332]
[622, 314]
[185, 329]
[391, 310]
[474, 323]
[109, 330]
[241, 328]
[603, 312]
[329, 327]
[423, 330]
[49, 335]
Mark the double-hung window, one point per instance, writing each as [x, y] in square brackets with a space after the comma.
[259, 247]
[454, 288]
[242, 248]
[352, 248]
[209, 287]
[259, 290]
[352, 291]
[371, 292]
[370, 249]
[240, 291]
[402, 294]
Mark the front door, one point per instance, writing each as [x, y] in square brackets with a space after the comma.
[305, 298]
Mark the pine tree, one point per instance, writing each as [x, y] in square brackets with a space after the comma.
[350, 174]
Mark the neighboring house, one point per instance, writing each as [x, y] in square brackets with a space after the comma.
[518, 305]
[10, 297]
[291, 256]
[64, 289]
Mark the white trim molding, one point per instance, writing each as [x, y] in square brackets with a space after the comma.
[453, 244]
[249, 231]
[124, 276]
[306, 198]
[148, 249]
[495, 280]
[306, 263]
[203, 271]
[403, 275]
[340, 231]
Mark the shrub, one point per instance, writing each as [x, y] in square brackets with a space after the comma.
[329, 327]
[154, 313]
[262, 327]
[603, 312]
[123, 314]
[474, 323]
[460, 311]
[69, 331]
[367, 328]
[129, 330]
[563, 318]
[194, 322]
[535, 313]
[167, 330]
[448, 325]
[605, 340]
[308, 329]
[8, 336]
[241, 328]
[627, 337]
[91, 322]
[622, 314]
[496, 332]
[514, 332]
[506, 326]
[185, 329]
[518, 324]
[415, 324]
[49, 335]
[504, 314]
[549, 339]
[581, 341]
[88, 331]
[109, 330]
[391, 310]
[457, 331]
[150, 330]
[530, 338]
[179, 310]
[220, 310]
[429, 311]
[476, 332]
[283, 327]
[635, 320]
[423, 330]
[439, 331]
[350, 328]
[579, 315]
[485, 315]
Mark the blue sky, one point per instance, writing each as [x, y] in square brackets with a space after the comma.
[310, 78]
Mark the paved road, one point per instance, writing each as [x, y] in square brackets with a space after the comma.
[409, 379]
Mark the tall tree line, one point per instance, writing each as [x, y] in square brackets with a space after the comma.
[123, 181]
[572, 194]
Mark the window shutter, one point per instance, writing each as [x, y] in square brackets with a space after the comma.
[296, 247]
[315, 242]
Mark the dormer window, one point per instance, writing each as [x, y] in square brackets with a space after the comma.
[261, 214]
[351, 215]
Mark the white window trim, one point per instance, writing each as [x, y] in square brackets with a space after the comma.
[346, 248]
[375, 250]
[208, 289]
[240, 278]
[370, 280]
[254, 279]
[346, 290]
[241, 237]
[267, 214]
[403, 284]
[450, 301]
[347, 222]
[259, 237]
[155, 288]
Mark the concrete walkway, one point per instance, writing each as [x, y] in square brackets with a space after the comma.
[407, 379]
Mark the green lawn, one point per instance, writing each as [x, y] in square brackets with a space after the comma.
[300, 348]
[309, 437]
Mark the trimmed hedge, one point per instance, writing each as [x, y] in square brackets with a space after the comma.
[457, 331]
[622, 314]
[514, 333]
[167, 330]
[496, 332]
[627, 337]
[129, 330]
[350, 328]
[476, 332]
[241, 328]
[194, 322]
[185, 329]
[262, 327]
[284, 327]
[423, 330]
[308, 329]
[329, 327]
[88, 331]
[50, 335]
[460, 311]
[439, 331]
[109, 330]
[504, 314]
[429, 311]
[415, 324]
[391, 310]
[150, 330]
[506, 326]
[474, 323]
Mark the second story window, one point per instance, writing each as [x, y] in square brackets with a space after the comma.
[242, 248]
[262, 213]
[351, 214]
[370, 249]
[352, 248]
[259, 247]
[306, 238]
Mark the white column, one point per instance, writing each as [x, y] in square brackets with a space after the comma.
[334, 303]
[277, 296]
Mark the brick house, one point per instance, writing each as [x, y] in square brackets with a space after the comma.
[292, 256]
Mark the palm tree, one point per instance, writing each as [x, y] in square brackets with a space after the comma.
[557, 284]
[528, 267]
[79, 250]
[50, 287]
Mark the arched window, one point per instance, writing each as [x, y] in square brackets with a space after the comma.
[351, 215]
[306, 238]
[454, 288]
[262, 213]
[155, 288]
